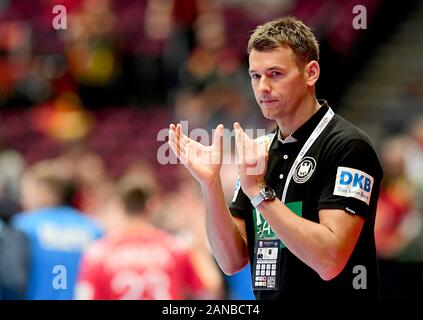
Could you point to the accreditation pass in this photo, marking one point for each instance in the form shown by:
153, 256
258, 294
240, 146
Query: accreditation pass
266, 265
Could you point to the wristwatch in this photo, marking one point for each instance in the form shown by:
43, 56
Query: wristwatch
266, 193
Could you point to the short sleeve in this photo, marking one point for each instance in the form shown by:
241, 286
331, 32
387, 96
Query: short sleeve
240, 203
351, 178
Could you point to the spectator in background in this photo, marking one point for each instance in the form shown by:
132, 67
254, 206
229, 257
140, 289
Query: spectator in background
14, 263
11, 169
14, 247
398, 227
212, 59
139, 261
414, 159
112, 218
92, 51
413, 171
57, 232
91, 182
395, 206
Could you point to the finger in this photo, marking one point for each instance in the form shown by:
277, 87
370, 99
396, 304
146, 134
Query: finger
179, 143
183, 138
180, 137
173, 142
246, 138
171, 129
184, 156
218, 134
261, 145
181, 154
178, 131
237, 126
174, 149
179, 150
217, 151
239, 142
248, 149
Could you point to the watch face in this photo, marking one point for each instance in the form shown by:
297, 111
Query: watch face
268, 193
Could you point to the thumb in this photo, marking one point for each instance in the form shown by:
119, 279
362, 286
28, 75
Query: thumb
239, 132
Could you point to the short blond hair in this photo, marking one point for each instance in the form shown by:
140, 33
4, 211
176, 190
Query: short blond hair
287, 31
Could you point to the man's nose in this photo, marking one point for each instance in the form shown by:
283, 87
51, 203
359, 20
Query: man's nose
264, 85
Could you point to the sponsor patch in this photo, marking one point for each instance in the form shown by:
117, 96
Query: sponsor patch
353, 183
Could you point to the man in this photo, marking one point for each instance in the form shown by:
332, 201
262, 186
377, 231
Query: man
14, 263
323, 170
139, 261
57, 233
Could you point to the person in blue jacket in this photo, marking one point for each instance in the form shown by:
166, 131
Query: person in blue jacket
57, 233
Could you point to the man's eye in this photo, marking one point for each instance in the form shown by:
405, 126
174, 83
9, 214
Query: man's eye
255, 76
275, 73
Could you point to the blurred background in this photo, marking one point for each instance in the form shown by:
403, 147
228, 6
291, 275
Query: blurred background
92, 98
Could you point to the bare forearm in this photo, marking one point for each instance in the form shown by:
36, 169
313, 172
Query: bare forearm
226, 241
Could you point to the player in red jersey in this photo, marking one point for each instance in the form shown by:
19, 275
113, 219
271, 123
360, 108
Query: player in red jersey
138, 262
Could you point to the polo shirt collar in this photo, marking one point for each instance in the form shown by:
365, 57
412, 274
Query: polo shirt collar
288, 139
303, 132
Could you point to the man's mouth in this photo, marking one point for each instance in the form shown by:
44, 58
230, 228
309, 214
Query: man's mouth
267, 101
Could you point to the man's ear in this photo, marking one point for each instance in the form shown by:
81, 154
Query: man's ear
312, 72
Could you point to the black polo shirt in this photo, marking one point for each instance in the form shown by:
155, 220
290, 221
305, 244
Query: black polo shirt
341, 170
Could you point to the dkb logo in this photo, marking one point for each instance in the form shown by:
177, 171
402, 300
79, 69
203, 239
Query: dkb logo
353, 183
357, 180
